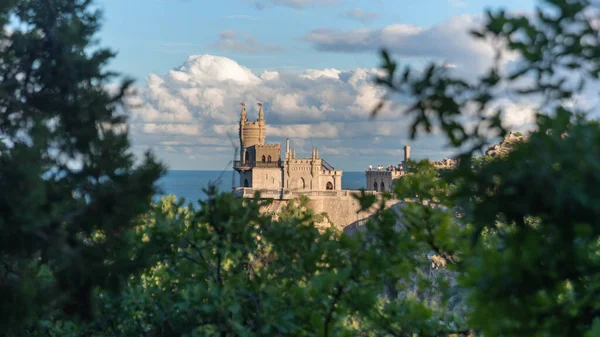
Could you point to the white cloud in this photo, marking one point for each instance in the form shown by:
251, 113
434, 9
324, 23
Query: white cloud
232, 41
448, 41
206, 89
360, 15
196, 106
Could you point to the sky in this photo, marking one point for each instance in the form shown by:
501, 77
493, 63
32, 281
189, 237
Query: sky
310, 62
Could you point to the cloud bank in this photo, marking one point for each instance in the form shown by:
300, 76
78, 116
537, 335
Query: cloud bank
190, 114
449, 42
196, 106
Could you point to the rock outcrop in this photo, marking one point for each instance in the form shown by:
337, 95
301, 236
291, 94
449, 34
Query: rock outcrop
506, 145
445, 163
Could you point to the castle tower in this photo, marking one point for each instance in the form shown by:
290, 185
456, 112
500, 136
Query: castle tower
260, 164
406, 153
252, 133
243, 120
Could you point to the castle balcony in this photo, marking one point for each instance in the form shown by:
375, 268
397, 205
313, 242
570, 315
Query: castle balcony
246, 165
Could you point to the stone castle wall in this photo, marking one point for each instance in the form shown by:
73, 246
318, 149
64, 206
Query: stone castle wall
307, 174
269, 178
340, 206
376, 178
266, 150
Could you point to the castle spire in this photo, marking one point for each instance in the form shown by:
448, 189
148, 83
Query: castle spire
243, 114
287, 148
261, 113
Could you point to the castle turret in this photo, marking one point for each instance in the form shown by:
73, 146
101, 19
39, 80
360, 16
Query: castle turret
252, 133
261, 113
243, 114
406, 155
241, 129
262, 127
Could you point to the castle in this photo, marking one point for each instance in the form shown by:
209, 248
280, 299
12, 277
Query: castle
261, 168
382, 179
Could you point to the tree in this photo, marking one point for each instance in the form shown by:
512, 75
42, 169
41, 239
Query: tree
525, 243
225, 269
70, 191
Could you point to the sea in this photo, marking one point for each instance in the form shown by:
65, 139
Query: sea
190, 184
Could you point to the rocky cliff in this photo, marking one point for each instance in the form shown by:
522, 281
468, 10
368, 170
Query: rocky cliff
506, 145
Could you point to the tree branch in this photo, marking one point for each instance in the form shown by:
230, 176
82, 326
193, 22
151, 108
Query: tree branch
328, 318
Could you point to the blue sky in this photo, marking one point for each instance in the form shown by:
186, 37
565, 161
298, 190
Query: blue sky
283, 44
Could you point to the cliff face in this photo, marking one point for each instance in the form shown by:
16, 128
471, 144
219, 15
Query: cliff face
339, 212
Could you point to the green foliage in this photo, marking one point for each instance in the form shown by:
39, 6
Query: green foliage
226, 269
70, 192
524, 236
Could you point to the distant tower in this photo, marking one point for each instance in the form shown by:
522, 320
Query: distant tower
406, 155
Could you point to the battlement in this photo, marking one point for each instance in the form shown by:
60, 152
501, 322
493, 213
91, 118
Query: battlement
332, 172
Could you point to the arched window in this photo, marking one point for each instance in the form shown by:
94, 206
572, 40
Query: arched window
246, 184
246, 157
302, 183
375, 187
329, 185
264, 159
269, 159
382, 187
